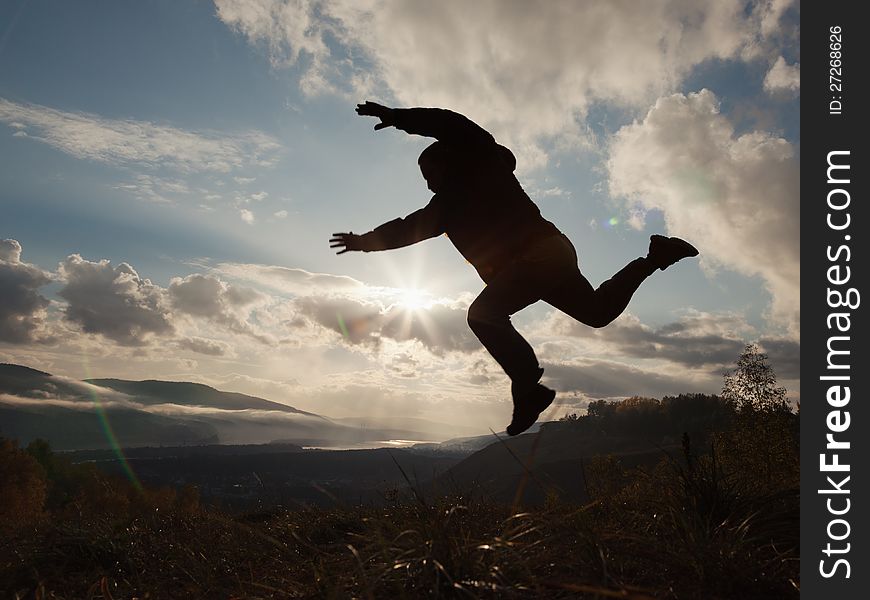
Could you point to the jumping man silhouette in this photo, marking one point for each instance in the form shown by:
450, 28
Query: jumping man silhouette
521, 256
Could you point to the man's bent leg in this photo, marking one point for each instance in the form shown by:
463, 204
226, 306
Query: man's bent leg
597, 308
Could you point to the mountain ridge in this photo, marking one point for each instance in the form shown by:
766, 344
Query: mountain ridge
35, 404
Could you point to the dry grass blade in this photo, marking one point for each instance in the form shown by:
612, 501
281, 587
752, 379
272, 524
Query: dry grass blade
407, 479
624, 594
527, 472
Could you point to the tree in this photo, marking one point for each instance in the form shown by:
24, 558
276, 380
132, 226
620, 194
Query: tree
22, 487
752, 385
761, 446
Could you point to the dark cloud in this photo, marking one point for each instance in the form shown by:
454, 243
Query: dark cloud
203, 346
22, 308
114, 302
784, 355
484, 372
356, 320
605, 379
697, 340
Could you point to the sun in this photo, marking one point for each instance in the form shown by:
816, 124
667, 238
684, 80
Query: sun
413, 300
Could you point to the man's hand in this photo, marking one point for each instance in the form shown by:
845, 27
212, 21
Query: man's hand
346, 241
373, 109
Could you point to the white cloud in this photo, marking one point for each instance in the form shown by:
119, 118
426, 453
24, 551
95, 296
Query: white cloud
526, 70
128, 141
783, 77
81, 405
289, 280
281, 214
151, 188
246, 216
10, 251
737, 198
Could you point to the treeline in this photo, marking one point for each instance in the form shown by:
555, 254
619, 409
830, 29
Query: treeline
37, 485
670, 417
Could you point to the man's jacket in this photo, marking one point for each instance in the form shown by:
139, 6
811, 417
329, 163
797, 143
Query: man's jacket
483, 209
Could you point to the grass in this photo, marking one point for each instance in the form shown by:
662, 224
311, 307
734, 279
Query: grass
692, 526
673, 532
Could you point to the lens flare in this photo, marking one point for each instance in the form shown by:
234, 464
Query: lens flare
341, 325
106, 425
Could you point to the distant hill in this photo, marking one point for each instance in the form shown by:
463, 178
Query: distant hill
18, 380
72, 429
638, 431
554, 457
90, 414
192, 394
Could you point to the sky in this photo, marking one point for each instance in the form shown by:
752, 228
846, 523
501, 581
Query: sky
172, 171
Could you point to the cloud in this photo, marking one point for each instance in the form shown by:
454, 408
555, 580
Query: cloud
10, 251
156, 189
204, 346
208, 297
609, 379
700, 341
367, 400
440, 327
66, 392
22, 307
784, 355
289, 280
527, 70
246, 414
737, 198
361, 314
783, 77
113, 302
81, 405
128, 141
246, 216
695, 340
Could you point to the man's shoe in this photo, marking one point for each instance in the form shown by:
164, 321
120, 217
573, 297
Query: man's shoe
665, 251
528, 409
521, 389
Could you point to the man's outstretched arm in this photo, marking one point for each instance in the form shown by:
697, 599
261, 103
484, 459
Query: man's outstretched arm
439, 123
416, 227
